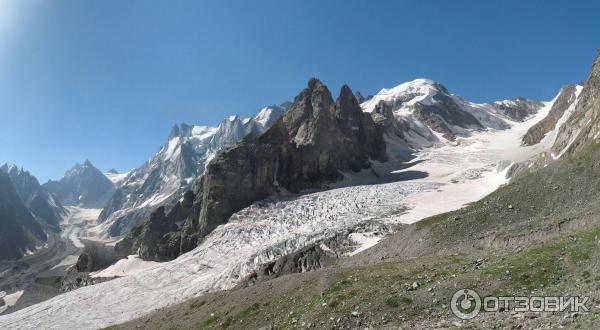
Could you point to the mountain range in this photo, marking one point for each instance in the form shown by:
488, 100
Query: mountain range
163, 179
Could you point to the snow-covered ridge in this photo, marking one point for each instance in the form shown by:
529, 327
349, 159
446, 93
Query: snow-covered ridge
430, 114
116, 178
457, 174
406, 94
164, 178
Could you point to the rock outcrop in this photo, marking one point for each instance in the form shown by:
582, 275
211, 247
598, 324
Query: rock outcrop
583, 126
95, 257
158, 237
518, 109
536, 133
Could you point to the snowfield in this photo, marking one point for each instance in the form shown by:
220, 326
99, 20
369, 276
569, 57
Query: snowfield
449, 176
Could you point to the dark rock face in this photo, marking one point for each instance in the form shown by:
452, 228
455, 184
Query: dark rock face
309, 259
315, 140
94, 258
19, 231
519, 109
584, 124
43, 205
537, 132
443, 112
158, 237
82, 185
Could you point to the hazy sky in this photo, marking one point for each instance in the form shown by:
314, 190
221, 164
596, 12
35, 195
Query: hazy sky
106, 80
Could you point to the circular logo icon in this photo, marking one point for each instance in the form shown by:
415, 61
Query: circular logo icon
465, 304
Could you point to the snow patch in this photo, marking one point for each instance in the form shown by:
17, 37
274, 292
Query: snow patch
124, 267
69, 260
364, 241
9, 299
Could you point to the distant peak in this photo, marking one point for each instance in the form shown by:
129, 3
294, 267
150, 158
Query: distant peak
88, 163
112, 171
347, 98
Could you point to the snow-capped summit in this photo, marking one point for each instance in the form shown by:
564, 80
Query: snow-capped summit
406, 95
428, 113
83, 185
174, 169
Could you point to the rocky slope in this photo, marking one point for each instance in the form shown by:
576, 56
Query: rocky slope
20, 233
583, 126
83, 185
175, 168
566, 99
156, 238
44, 206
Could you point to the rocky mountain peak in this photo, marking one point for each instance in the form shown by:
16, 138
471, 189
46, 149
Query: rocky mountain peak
347, 100
84, 185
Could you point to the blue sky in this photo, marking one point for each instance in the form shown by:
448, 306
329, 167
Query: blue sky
106, 80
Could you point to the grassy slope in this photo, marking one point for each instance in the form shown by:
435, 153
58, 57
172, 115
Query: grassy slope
540, 234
